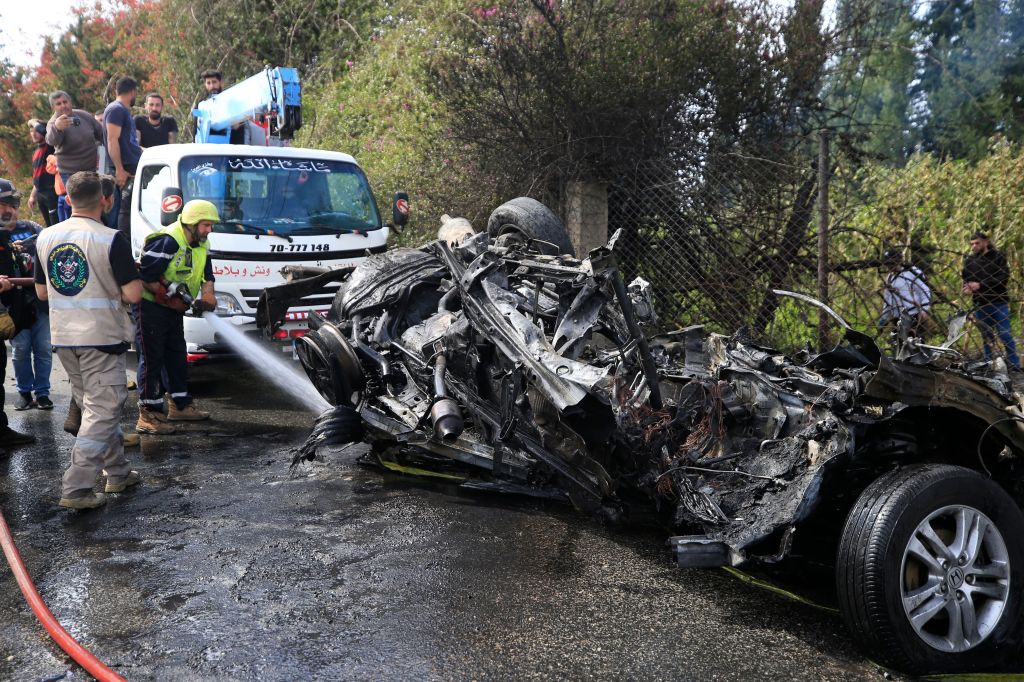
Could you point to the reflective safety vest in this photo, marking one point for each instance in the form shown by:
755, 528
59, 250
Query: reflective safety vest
85, 299
187, 265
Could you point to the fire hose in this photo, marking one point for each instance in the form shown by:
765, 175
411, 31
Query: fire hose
66, 642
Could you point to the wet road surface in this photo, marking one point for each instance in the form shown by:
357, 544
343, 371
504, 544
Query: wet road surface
224, 564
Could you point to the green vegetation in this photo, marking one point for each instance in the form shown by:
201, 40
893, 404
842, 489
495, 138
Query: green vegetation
466, 103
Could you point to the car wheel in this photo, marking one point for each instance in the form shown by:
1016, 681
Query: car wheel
524, 218
929, 570
331, 365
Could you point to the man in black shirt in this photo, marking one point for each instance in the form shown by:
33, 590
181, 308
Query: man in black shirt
43, 196
154, 128
986, 276
13, 305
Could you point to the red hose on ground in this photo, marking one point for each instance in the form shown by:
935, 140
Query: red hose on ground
66, 642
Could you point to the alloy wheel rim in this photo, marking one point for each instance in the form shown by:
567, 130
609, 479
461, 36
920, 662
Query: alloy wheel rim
955, 578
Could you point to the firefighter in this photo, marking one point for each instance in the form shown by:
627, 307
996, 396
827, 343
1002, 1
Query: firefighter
177, 275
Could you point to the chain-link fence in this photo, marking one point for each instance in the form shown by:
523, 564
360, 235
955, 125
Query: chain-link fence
715, 239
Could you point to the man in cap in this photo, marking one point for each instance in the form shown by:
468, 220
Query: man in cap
12, 304
31, 353
986, 278
177, 275
87, 273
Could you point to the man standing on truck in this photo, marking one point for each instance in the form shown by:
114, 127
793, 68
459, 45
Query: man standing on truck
176, 275
213, 83
87, 273
986, 276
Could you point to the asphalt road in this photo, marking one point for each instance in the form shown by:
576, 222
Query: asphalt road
225, 564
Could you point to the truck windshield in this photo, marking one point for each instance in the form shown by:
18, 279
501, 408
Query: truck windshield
282, 195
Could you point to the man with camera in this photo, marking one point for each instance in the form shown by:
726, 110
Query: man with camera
74, 133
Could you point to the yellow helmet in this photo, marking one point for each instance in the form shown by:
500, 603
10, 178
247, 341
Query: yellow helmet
197, 211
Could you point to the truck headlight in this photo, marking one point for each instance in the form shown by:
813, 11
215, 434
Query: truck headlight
227, 305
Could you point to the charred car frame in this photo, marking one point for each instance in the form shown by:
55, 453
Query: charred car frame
505, 361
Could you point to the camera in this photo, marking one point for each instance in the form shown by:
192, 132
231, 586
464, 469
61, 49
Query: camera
75, 120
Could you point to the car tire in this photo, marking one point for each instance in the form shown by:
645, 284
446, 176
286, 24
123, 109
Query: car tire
896, 595
525, 218
337, 426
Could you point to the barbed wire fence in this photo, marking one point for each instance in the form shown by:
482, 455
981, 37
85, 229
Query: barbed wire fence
714, 239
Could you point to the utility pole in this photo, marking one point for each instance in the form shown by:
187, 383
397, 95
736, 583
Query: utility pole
824, 173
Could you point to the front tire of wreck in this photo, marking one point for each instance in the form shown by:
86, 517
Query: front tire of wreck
929, 570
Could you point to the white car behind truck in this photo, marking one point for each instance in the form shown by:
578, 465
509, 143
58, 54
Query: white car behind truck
279, 206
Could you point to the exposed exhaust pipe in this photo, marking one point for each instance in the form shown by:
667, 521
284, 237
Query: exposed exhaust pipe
445, 414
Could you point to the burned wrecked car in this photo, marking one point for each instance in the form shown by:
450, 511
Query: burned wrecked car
506, 361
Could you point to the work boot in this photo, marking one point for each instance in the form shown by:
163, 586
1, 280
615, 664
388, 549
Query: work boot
43, 402
24, 402
131, 440
117, 484
90, 500
74, 419
10, 438
189, 413
149, 423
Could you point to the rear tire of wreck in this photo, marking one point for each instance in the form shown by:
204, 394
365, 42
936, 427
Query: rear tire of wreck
900, 592
525, 218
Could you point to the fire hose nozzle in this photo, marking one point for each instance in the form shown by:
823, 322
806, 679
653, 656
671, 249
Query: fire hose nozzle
180, 289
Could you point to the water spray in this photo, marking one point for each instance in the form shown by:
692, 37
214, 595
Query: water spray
269, 364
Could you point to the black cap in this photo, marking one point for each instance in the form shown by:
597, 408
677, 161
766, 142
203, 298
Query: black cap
8, 194
892, 256
978, 234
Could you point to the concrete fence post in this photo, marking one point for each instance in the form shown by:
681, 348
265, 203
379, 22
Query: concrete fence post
587, 215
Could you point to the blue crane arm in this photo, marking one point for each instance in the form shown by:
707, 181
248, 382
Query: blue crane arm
273, 91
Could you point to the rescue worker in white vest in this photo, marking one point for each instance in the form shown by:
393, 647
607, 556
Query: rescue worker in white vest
86, 271
176, 275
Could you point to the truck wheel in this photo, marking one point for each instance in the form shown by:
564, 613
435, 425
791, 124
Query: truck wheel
525, 218
929, 570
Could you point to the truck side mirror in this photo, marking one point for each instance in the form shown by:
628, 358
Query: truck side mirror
171, 203
400, 210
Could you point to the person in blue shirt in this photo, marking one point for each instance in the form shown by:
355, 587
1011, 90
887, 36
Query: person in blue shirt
123, 150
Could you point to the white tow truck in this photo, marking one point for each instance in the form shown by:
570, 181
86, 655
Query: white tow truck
282, 208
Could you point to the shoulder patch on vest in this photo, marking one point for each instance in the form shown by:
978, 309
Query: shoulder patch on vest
68, 269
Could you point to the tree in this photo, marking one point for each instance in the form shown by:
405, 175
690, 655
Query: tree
970, 47
868, 92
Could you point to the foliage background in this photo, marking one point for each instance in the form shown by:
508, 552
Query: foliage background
715, 104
